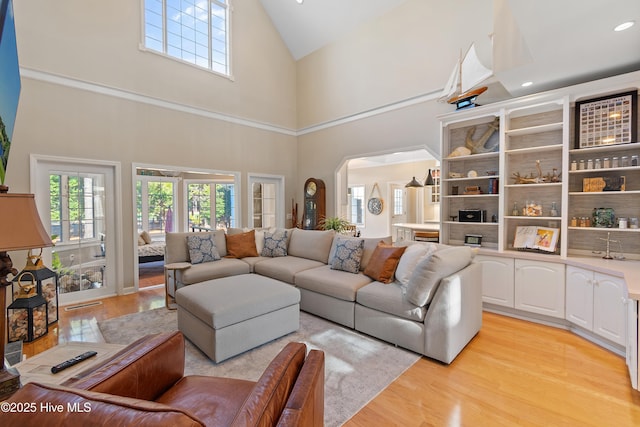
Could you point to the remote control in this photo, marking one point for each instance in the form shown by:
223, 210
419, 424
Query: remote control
69, 363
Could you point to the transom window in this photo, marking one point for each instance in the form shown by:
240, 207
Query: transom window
195, 31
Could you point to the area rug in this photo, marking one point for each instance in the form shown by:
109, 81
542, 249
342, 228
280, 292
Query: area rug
357, 367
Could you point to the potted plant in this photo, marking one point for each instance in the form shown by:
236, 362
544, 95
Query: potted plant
340, 225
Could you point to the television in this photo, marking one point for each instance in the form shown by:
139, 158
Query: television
9, 82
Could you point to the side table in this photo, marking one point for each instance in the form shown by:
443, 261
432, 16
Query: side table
170, 301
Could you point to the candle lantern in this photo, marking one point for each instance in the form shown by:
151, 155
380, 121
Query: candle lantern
27, 315
46, 284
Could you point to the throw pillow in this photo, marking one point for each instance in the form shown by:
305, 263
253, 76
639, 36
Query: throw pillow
410, 258
141, 241
202, 248
383, 262
348, 255
241, 245
431, 269
275, 243
146, 237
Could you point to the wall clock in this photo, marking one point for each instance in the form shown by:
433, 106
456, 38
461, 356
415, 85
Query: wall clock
374, 205
314, 203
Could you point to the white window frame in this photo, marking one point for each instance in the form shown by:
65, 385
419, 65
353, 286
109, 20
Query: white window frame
352, 198
225, 4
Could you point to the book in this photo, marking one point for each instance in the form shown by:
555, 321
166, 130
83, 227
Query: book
537, 238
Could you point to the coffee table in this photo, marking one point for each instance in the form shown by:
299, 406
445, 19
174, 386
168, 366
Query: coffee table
38, 367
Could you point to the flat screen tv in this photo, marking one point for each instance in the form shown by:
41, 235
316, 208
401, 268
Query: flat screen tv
9, 82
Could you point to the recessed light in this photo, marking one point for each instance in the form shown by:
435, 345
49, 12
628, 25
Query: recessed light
299, 1
624, 26
527, 84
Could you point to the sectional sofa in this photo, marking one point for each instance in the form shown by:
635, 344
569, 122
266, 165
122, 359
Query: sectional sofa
424, 297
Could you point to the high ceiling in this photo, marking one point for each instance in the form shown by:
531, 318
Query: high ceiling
565, 41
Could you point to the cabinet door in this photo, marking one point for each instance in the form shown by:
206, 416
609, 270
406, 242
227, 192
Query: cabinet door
609, 312
539, 287
497, 280
632, 341
580, 297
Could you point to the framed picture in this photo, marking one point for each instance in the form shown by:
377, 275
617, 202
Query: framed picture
607, 120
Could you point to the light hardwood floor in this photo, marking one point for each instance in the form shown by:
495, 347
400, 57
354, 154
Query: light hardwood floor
514, 373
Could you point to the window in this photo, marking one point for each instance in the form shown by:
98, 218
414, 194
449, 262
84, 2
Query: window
398, 201
73, 210
357, 205
210, 205
195, 31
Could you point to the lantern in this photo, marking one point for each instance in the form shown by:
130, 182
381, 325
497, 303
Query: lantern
46, 283
27, 315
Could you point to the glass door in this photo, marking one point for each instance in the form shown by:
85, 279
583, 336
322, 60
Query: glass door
266, 201
81, 220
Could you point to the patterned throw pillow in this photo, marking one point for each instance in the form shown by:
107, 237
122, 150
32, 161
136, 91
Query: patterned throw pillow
202, 248
275, 244
348, 255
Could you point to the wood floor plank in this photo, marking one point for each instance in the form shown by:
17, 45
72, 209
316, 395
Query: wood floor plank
513, 373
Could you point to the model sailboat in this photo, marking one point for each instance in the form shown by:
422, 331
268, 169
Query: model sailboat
461, 87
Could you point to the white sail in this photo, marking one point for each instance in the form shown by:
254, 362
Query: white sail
467, 73
473, 72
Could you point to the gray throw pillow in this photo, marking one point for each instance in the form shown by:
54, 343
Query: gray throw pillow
275, 243
431, 269
202, 248
348, 255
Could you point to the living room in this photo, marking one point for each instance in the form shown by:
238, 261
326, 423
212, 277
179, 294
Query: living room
92, 93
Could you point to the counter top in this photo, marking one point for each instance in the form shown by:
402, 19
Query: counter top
629, 270
418, 226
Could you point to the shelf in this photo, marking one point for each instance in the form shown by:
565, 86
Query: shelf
628, 168
534, 129
621, 230
608, 193
472, 157
469, 178
453, 196
542, 184
494, 224
539, 149
607, 148
546, 218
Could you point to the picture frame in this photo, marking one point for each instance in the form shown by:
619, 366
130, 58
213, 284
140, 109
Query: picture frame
607, 120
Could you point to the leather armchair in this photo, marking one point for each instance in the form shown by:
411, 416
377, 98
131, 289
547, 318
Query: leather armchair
144, 385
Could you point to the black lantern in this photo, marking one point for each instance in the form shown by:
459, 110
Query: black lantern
46, 281
27, 315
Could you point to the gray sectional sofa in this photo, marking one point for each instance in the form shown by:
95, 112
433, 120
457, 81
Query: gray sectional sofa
432, 307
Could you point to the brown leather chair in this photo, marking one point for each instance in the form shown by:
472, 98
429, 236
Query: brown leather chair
143, 385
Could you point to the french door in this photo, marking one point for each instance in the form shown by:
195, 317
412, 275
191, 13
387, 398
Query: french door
76, 201
266, 201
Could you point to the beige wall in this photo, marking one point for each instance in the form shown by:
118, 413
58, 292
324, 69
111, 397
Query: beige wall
93, 46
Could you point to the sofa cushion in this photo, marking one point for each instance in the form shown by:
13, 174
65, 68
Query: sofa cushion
370, 244
241, 245
348, 255
202, 248
213, 270
431, 269
410, 258
383, 262
284, 268
176, 249
275, 243
333, 283
146, 237
311, 244
389, 298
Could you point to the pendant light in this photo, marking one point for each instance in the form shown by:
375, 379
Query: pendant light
429, 180
413, 183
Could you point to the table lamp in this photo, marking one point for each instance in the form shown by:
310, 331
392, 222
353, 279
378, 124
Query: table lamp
20, 229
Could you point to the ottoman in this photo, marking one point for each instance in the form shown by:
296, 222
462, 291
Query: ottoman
227, 316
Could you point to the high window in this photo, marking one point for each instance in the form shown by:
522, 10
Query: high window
194, 31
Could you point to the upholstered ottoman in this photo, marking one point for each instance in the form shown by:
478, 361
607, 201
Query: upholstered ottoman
227, 316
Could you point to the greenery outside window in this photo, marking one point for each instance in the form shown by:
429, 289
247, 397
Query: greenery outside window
194, 31
210, 205
73, 214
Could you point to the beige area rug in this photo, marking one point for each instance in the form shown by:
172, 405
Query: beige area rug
357, 367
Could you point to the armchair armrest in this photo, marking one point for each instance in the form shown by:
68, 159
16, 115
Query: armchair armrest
142, 370
305, 407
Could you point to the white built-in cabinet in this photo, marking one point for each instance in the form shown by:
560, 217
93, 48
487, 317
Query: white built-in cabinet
539, 287
497, 280
597, 303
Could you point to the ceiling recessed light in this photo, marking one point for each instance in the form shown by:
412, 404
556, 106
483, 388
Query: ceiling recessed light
624, 26
527, 84
299, 1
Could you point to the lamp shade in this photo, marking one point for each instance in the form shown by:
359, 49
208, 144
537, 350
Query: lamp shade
20, 225
413, 183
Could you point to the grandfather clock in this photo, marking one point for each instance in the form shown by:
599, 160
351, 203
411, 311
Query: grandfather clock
314, 203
